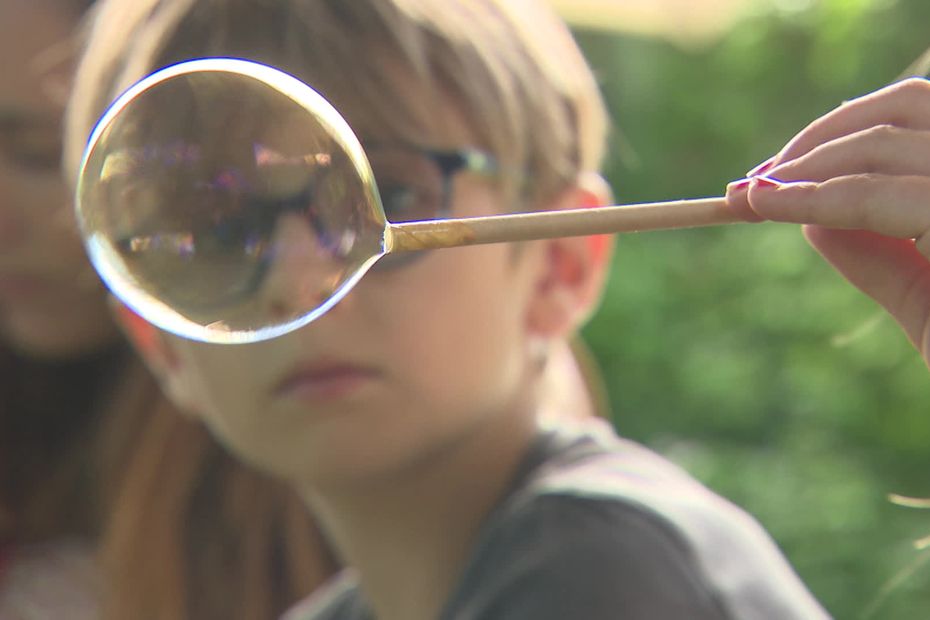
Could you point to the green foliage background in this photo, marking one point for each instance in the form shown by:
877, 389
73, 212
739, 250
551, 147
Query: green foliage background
735, 350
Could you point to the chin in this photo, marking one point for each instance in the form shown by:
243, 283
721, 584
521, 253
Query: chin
326, 465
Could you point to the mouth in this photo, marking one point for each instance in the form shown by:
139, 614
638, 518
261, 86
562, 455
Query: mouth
325, 381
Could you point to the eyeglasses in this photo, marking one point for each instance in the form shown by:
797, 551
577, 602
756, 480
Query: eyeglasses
415, 183
216, 237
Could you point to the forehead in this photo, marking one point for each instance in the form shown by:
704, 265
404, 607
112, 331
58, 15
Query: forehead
29, 29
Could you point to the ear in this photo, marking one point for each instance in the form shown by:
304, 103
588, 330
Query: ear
573, 268
155, 348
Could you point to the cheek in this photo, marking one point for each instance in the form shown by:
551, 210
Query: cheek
218, 385
229, 389
460, 331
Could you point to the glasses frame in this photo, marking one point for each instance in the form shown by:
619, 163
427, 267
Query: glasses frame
450, 162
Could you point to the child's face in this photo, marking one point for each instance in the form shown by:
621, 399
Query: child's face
412, 360
409, 360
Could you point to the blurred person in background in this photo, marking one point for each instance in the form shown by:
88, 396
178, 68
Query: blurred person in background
91, 456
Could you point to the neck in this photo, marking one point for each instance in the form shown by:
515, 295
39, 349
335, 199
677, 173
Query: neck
409, 537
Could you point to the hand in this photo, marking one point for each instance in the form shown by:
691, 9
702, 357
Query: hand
858, 178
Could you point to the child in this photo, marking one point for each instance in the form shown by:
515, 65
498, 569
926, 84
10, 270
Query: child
407, 416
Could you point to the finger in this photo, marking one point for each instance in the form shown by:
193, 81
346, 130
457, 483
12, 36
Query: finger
884, 149
890, 271
905, 104
896, 206
738, 201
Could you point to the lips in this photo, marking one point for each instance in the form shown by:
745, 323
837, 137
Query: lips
326, 381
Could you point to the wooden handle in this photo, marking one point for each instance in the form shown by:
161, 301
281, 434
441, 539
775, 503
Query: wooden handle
435, 234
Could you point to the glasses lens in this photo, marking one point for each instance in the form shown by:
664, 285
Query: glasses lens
205, 237
411, 184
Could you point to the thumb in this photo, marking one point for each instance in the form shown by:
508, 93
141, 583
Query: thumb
890, 271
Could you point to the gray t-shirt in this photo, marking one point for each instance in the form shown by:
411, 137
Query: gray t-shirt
596, 527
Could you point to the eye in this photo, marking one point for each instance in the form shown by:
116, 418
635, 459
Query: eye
406, 202
35, 149
411, 185
211, 255
401, 203
225, 236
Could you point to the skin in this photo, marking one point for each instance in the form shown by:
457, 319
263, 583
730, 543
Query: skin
51, 304
858, 179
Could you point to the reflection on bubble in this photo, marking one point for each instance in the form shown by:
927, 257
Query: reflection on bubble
225, 210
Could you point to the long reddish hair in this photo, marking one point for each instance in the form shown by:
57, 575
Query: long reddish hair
50, 413
90, 448
194, 534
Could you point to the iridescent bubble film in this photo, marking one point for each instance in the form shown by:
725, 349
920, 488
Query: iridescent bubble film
227, 202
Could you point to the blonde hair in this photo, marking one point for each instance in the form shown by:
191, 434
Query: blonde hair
509, 67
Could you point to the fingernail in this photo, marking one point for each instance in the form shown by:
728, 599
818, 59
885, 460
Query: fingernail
738, 202
739, 185
763, 167
766, 182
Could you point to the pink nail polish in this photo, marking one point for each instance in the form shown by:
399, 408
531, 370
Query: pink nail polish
763, 167
739, 185
766, 182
